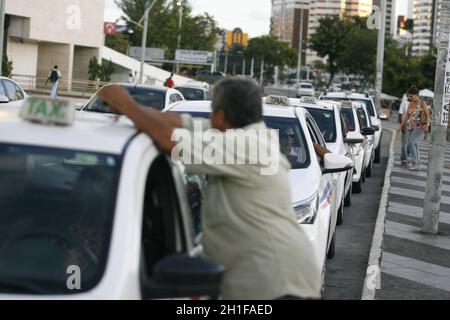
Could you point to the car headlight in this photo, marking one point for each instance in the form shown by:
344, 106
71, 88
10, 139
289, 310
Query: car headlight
306, 212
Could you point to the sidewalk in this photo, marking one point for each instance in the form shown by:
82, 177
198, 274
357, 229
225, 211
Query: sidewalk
415, 266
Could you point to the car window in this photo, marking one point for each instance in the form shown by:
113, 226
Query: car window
292, 140
192, 93
343, 125
145, 96
326, 121
2, 91
175, 98
13, 92
57, 211
368, 103
306, 86
363, 118
349, 119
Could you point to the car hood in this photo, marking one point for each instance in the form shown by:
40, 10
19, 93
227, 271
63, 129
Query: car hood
303, 184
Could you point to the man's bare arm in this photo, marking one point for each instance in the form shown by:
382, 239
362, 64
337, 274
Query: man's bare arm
157, 125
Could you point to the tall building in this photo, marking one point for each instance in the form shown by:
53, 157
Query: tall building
426, 25
351, 8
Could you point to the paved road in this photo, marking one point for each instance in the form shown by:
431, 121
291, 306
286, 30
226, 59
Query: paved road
346, 272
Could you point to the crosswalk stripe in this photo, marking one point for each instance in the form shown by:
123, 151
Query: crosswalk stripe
415, 270
418, 174
417, 183
415, 194
415, 212
412, 233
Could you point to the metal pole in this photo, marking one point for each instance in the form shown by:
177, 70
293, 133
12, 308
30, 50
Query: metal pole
2, 29
180, 24
226, 63
261, 76
300, 47
380, 55
433, 192
243, 67
144, 44
252, 68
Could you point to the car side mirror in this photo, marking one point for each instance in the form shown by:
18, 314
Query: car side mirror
4, 99
368, 131
79, 106
182, 276
354, 138
376, 128
335, 163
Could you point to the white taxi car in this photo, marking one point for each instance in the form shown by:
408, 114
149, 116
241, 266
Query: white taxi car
11, 93
313, 187
364, 121
372, 110
92, 210
356, 132
329, 119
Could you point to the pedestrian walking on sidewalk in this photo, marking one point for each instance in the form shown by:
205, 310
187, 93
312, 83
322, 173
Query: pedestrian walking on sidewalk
169, 82
402, 113
416, 121
53, 77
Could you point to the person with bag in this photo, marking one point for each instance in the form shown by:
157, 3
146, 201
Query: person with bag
53, 78
416, 121
169, 82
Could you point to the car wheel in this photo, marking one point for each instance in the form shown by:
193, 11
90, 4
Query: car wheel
357, 186
340, 214
324, 272
369, 169
378, 153
332, 250
348, 197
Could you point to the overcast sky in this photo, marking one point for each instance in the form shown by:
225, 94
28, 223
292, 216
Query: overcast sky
252, 16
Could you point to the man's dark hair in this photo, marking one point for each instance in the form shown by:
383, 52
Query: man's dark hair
240, 100
55, 67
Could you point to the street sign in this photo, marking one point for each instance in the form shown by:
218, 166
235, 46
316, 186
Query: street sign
194, 56
109, 28
150, 53
446, 97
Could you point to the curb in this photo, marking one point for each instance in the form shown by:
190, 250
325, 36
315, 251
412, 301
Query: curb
372, 281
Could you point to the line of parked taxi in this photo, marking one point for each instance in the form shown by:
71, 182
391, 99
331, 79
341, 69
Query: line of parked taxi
94, 192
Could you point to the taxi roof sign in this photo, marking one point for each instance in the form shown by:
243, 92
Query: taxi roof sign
308, 99
348, 104
277, 100
47, 111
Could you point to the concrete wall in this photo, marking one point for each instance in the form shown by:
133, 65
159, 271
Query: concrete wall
55, 54
24, 57
78, 22
81, 58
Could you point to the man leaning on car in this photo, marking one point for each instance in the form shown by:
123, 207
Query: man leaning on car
248, 222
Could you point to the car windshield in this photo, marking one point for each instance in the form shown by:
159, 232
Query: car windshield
347, 114
306, 86
192, 93
326, 121
145, 96
368, 103
56, 218
292, 139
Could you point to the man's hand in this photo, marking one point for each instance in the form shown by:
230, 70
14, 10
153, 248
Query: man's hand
117, 98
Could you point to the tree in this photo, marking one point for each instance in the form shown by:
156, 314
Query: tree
328, 42
359, 54
7, 67
118, 42
273, 52
100, 72
197, 33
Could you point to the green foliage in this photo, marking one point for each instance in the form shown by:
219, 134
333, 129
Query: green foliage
402, 70
118, 42
329, 41
100, 72
7, 67
197, 32
274, 52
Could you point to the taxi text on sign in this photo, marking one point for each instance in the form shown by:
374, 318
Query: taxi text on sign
47, 111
